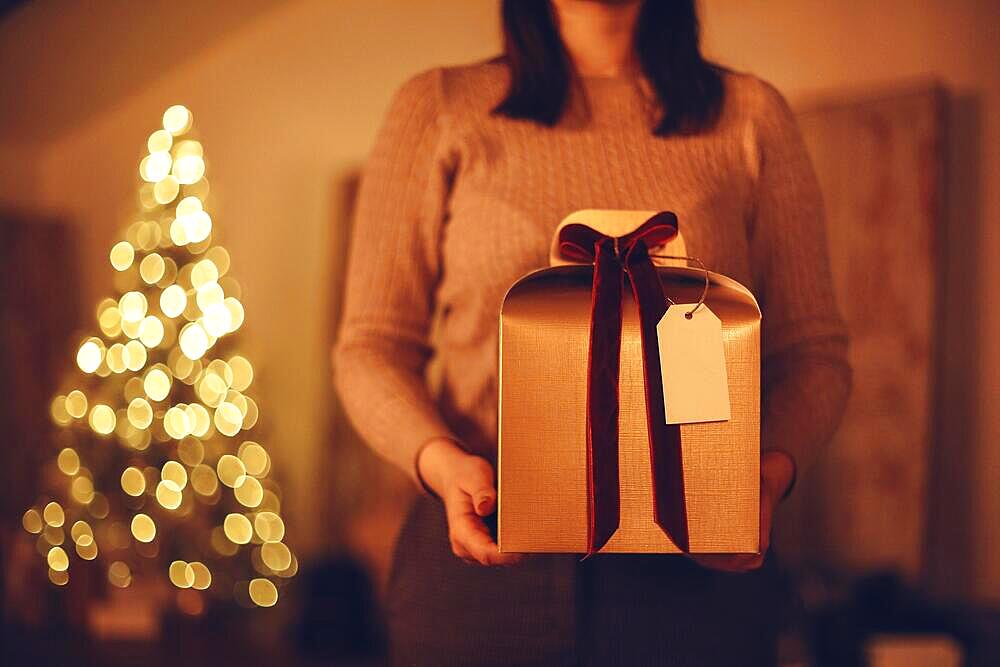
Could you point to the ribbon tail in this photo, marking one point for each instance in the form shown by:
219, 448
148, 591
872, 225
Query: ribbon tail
602, 396
669, 508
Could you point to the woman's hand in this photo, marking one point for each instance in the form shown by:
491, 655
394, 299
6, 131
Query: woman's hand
465, 484
777, 470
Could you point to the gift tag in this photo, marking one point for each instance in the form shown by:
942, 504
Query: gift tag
693, 365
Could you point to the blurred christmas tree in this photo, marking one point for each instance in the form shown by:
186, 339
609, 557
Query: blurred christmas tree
157, 474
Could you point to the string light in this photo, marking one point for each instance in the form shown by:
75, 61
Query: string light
160, 401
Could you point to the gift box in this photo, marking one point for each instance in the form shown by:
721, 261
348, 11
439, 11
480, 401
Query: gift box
587, 460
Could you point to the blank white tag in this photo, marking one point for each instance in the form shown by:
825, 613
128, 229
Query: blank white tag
693, 365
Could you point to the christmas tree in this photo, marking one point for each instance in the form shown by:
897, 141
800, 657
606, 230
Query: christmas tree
158, 471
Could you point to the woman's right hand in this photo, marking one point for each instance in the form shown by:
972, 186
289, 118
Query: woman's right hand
465, 484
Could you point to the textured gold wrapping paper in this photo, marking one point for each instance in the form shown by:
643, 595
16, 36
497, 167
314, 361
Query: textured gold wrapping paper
544, 344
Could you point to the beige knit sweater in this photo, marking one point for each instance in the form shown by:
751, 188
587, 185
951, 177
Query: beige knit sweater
456, 204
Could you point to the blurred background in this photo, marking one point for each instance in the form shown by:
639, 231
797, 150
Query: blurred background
892, 541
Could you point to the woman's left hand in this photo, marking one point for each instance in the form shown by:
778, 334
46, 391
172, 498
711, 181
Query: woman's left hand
777, 470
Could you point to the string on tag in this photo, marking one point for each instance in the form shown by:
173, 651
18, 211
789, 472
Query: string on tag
704, 292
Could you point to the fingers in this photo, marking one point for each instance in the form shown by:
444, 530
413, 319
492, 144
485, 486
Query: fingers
470, 539
472, 497
477, 482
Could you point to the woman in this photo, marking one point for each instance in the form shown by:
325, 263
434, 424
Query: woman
594, 105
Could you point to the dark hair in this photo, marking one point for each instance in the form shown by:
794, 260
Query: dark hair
688, 87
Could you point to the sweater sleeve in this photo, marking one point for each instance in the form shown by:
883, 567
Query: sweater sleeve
383, 347
806, 375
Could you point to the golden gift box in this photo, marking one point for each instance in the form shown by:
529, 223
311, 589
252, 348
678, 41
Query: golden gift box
554, 497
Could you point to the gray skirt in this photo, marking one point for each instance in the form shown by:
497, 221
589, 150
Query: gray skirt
558, 610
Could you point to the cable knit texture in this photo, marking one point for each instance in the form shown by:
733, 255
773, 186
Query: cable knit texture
457, 203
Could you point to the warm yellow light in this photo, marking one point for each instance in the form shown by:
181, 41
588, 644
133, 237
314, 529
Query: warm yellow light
53, 535
82, 490
140, 413
81, 530
185, 369
143, 528
218, 320
116, 358
178, 232
263, 593
237, 528
199, 418
254, 458
228, 419
212, 389
199, 304
68, 461
202, 576
187, 206
231, 470
208, 295
190, 451
90, 355
155, 166
222, 369
173, 300
189, 169
57, 559
239, 400
161, 140
148, 234
269, 526
131, 329
151, 331
32, 521
87, 548
135, 354
156, 384
110, 321
133, 306
177, 120
119, 574
133, 482
102, 419
220, 257
189, 147
76, 404
133, 388
176, 422
249, 493
151, 268
203, 480
181, 574
203, 273
193, 341
122, 255
174, 472
242, 373
235, 311
166, 190
58, 410
168, 494
276, 556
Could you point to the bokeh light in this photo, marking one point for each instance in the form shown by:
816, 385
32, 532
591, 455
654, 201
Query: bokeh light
169, 401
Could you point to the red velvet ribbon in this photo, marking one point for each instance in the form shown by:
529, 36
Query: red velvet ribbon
613, 260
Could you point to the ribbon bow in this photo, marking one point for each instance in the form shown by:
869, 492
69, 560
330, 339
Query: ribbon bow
614, 258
